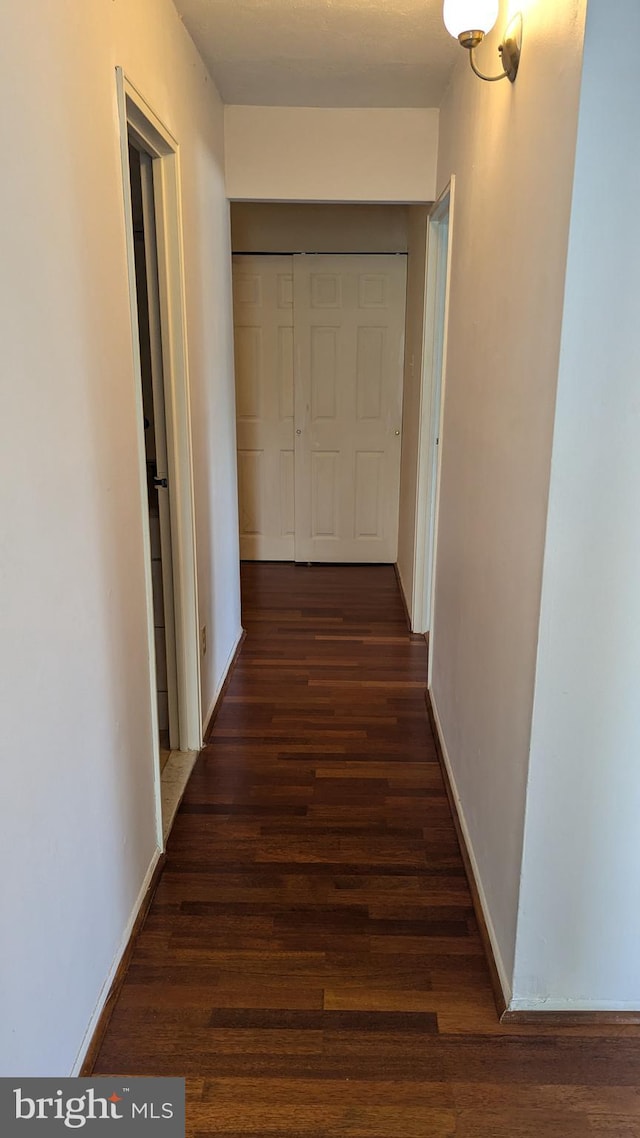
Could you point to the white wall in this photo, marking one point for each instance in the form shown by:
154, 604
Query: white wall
414, 333
331, 154
512, 150
77, 829
579, 925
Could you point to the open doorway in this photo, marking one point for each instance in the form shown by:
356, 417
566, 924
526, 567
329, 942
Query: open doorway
155, 441
319, 315
154, 251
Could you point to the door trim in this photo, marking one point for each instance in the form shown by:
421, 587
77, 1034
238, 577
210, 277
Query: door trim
431, 412
139, 122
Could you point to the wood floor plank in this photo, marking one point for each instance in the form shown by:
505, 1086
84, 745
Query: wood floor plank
311, 962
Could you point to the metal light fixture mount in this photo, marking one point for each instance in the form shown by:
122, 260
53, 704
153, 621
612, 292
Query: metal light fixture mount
469, 21
509, 50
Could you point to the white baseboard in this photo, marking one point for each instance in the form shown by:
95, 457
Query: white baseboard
551, 1004
106, 987
497, 956
225, 673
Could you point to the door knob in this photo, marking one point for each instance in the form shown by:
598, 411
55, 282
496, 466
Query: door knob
298, 432
397, 432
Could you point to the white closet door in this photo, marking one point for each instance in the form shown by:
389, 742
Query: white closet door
263, 318
349, 346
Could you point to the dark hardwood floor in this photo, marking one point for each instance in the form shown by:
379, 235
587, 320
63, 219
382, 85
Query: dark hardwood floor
311, 962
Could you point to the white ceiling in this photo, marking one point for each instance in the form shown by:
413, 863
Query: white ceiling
324, 53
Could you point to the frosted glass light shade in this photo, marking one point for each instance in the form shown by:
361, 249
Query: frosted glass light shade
470, 15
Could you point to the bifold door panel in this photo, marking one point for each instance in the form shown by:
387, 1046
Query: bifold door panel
319, 364
349, 338
263, 316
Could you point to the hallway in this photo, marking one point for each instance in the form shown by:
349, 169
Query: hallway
311, 962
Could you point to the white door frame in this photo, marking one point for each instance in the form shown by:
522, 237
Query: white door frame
438, 276
140, 123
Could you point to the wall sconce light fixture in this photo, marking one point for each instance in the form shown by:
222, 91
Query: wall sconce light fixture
469, 21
